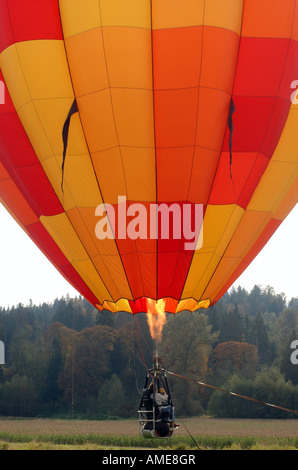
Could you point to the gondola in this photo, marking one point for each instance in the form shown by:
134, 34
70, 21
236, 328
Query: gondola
156, 421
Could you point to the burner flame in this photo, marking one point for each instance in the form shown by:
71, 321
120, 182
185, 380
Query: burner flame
156, 318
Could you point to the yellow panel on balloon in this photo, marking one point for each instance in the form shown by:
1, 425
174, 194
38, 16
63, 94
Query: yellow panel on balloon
108, 165
62, 232
198, 267
87, 62
287, 148
111, 270
14, 77
128, 54
219, 225
104, 253
81, 15
177, 14
249, 229
188, 304
288, 203
273, 187
203, 304
45, 119
219, 278
199, 291
96, 112
78, 16
133, 111
52, 168
90, 276
35, 131
45, 69
84, 222
139, 168
79, 181
225, 14
134, 13
232, 223
123, 305
87, 216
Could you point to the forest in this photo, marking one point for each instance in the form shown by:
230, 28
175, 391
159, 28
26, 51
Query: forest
67, 359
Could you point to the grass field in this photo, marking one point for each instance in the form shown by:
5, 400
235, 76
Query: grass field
208, 433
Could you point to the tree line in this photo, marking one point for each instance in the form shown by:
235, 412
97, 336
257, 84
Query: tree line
66, 358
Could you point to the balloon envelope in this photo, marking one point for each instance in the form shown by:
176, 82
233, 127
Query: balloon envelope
120, 117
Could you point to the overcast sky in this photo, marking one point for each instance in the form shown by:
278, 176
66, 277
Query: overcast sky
26, 274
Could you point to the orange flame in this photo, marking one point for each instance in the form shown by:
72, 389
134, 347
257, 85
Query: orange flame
156, 317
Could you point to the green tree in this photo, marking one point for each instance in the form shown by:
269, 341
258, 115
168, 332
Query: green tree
289, 318
255, 299
233, 357
271, 387
18, 397
73, 313
265, 350
233, 325
268, 387
226, 405
87, 363
187, 345
52, 393
112, 399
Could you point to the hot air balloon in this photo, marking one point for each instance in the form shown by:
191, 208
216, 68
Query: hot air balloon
149, 147
126, 104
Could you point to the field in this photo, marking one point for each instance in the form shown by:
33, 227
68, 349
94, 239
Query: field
193, 433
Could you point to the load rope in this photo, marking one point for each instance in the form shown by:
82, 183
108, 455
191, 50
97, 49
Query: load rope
232, 393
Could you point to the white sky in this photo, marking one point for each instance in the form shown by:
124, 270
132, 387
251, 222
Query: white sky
25, 273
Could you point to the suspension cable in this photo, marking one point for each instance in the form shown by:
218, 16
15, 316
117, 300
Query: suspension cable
190, 434
141, 350
134, 357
